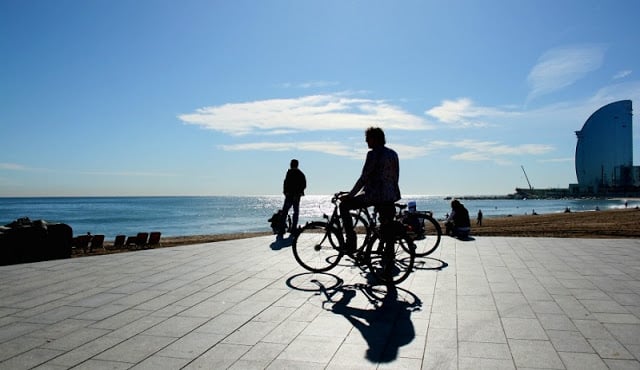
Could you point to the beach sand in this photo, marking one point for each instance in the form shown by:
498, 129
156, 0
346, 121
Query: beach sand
620, 223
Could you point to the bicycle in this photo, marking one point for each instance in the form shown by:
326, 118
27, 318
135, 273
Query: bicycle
319, 246
423, 228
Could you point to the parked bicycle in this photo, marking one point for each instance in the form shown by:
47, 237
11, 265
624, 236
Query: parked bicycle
420, 226
319, 246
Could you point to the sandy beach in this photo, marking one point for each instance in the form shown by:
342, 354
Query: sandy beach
622, 223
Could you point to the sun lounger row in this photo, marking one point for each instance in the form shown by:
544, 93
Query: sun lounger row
141, 240
90, 242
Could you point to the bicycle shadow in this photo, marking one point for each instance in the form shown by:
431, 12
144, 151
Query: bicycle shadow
430, 263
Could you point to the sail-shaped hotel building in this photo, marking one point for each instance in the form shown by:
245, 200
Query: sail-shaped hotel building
604, 152
604, 157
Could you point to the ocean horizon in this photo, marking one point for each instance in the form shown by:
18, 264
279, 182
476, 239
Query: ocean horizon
206, 215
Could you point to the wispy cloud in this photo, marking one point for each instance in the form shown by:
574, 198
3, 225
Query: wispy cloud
557, 160
309, 84
562, 67
12, 167
622, 74
326, 147
465, 113
619, 91
474, 150
129, 173
308, 113
19, 167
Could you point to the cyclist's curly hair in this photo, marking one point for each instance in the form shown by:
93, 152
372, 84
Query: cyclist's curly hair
376, 134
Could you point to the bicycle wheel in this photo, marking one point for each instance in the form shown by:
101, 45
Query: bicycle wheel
391, 263
313, 249
427, 241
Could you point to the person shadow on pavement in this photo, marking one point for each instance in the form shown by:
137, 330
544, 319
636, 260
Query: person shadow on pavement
281, 242
386, 327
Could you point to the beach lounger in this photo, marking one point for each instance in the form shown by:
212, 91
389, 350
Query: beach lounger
82, 241
138, 241
154, 239
119, 241
97, 242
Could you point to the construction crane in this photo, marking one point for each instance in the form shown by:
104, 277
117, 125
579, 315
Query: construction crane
526, 177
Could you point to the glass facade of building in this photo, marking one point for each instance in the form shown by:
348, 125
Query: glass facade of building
604, 152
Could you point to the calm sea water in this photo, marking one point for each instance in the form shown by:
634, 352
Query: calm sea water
177, 216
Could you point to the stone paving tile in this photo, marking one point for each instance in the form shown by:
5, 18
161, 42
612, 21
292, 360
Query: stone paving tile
19, 345
569, 341
499, 351
190, 346
315, 349
135, 349
625, 333
535, 354
219, 357
517, 328
610, 349
30, 359
582, 361
491, 303
156, 362
485, 363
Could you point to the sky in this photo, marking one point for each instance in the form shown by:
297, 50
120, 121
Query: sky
195, 97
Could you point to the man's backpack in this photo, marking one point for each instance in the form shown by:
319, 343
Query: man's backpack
279, 222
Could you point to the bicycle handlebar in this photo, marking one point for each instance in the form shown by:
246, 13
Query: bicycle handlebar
338, 195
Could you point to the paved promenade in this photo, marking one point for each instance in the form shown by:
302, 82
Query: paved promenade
489, 303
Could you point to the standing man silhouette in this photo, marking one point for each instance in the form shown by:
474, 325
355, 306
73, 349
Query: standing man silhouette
293, 188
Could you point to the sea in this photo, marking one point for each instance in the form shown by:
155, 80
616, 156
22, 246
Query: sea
206, 215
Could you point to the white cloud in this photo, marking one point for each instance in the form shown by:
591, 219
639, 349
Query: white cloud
327, 147
309, 84
622, 74
620, 91
464, 113
308, 113
562, 67
557, 160
129, 174
12, 167
473, 150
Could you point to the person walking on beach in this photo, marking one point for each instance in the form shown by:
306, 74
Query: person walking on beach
293, 188
377, 185
479, 220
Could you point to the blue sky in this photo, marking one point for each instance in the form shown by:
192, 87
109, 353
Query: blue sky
215, 97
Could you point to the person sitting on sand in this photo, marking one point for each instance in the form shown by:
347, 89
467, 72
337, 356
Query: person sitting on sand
458, 223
